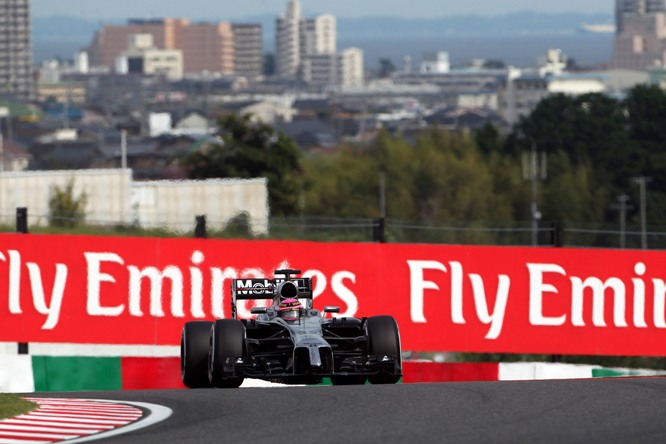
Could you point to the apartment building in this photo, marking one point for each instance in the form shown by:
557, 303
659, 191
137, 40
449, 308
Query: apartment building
16, 80
318, 35
142, 57
306, 49
248, 49
640, 42
205, 46
350, 67
287, 41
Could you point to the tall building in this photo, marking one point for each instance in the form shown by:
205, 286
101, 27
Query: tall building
248, 49
287, 41
205, 46
318, 35
640, 40
16, 80
306, 49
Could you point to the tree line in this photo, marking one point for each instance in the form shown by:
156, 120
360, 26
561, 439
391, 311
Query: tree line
594, 148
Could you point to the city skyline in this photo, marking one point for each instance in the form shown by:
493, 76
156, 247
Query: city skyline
207, 9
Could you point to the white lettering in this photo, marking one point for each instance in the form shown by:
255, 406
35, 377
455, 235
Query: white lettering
418, 285
344, 293
496, 319
598, 288
95, 278
537, 290
243, 307
217, 293
53, 309
319, 281
196, 286
659, 303
14, 282
639, 297
156, 279
457, 293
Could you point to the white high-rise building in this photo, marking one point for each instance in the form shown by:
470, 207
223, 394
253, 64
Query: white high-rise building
306, 49
350, 66
287, 41
318, 35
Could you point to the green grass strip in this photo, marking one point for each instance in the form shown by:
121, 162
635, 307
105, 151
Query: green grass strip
12, 405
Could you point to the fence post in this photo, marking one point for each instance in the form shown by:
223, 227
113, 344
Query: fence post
22, 227
556, 234
21, 220
378, 228
200, 227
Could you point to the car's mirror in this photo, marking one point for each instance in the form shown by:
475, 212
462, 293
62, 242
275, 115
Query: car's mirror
259, 310
331, 309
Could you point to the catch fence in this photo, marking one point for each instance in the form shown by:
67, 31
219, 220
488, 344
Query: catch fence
339, 229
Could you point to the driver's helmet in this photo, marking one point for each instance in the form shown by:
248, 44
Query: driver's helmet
289, 309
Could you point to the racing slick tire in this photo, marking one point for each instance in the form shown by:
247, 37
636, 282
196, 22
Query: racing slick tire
194, 345
227, 340
384, 339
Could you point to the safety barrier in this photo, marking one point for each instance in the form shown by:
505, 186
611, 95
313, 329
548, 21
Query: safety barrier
26, 374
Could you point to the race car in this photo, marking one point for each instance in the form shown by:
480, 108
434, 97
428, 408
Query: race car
301, 349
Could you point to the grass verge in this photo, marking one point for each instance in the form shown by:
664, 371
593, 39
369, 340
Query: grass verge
13, 405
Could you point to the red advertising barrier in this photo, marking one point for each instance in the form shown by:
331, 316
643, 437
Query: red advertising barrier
112, 290
151, 373
416, 371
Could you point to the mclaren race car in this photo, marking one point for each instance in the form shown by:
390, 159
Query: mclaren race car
302, 348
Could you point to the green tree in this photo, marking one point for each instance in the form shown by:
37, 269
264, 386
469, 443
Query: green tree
386, 68
65, 209
646, 110
269, 64
249, 150
488, 139
441, 179
591, 156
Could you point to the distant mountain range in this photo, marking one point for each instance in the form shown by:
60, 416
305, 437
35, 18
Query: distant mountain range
61, 36
66, 28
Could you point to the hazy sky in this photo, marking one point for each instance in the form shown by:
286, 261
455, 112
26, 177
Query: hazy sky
228, 9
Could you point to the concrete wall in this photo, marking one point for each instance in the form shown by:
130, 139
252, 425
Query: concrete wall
219, 199
108, 194
114, 198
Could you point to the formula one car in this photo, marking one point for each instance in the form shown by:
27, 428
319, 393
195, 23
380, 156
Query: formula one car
302, 349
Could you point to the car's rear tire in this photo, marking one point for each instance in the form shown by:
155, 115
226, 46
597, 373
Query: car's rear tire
227, 344
384, 340
194, 345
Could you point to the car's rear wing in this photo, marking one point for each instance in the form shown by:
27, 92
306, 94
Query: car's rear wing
265, 288
262, 288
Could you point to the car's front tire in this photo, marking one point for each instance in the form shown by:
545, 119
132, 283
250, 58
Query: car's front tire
227, 344
384, 340
194, 345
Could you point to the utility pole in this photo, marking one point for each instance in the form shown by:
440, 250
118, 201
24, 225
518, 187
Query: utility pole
382, 195
622, 207
535, 168
642, 183
4, 112
123, 149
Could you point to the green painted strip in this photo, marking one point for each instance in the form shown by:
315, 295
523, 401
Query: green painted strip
64, 373
606, 373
